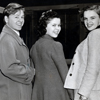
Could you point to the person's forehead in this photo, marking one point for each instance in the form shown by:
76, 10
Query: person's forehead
89, 13
19, 12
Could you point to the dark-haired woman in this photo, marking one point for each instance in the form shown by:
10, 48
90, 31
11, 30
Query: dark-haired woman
16, 74
49, 60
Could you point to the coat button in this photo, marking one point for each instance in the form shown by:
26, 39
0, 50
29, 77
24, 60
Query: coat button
70, 74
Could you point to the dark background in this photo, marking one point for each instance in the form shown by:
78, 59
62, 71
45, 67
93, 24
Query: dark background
46, 2
72, 32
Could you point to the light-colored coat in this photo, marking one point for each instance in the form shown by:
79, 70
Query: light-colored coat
84, 73
15, 71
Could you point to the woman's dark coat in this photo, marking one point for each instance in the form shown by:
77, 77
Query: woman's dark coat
51, 70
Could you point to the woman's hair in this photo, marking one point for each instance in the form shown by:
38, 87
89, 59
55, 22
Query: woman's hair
12, 8
96, 8
44, 20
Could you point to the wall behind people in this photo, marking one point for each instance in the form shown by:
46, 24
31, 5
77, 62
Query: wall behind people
1, 22
70, 35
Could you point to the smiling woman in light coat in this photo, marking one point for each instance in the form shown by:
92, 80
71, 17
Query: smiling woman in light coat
84, 73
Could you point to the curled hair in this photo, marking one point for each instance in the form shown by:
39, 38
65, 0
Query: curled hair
44, 20
96, 8
12, 8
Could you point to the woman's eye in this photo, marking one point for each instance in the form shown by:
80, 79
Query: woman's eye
16, 17
54, 25
59, 25
84, 18
92, 17
22, 17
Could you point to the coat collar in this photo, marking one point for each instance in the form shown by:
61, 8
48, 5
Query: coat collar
8, 30
47, 37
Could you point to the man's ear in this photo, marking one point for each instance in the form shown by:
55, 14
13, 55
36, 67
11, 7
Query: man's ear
6, 19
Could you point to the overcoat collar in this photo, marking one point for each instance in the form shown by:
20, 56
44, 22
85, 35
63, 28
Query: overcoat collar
47, 37
9, 31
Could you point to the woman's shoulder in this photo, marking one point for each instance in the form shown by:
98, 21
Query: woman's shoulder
94, 35
48, 41
95, 32
57, 43
48, 44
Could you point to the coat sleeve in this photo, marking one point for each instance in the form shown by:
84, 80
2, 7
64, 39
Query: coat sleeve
93, 64
11, 67
59, 60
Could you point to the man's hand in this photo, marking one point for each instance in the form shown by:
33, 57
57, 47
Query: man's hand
83, 97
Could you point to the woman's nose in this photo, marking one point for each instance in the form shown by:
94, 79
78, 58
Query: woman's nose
88, 20
57, 27
21, 19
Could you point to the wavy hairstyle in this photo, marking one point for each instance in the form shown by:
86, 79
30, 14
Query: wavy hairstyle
96, 8
44, 20
12, 8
